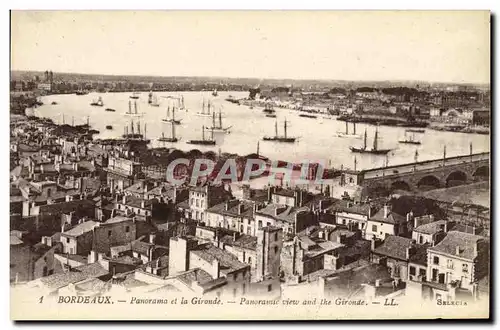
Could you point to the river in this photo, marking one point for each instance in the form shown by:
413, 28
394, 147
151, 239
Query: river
317, 140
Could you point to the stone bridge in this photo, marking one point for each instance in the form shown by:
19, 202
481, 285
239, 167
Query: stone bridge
425, 175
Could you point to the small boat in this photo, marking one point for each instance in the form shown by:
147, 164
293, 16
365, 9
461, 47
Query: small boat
214, 93
375, 150
81, 92
410, 140
277, 138
203, 141
109, 127
251, 107
98, 103
219, 128
413, 130
153, 100
54, 103
268, 108
135, 95
203, 113
307, 115
271, 115
171, 139
110, 110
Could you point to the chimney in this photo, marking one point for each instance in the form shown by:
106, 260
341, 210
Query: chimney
386, 211
226, 206
476, 248
457, 250
124, 199
75, 166
270, 191
408, 253
241, 208
152, 238
142, 204
235, 236
377, 283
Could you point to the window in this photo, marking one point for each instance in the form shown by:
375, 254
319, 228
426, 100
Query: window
276, 236
109, 233
202, 203
343, 221
422, 272
269, 288
249, 231
191, 202
67, 239
45, 272
127, 229
420, 239
449, 264
197, 203
465, 268
412, 270
374, 228
241, 229
275, 249
435, 260
260, 224
250, 260
268, 224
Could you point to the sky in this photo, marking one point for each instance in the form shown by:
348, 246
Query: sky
439, 46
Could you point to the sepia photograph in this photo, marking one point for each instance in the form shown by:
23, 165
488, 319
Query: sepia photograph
249, 165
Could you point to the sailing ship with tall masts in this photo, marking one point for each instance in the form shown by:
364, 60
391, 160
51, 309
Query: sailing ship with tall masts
374, 150
134, 113
203, 140
172, 138
218, 127
172, 119
277, 138
346, 133
134, 134
203, 113
153, 100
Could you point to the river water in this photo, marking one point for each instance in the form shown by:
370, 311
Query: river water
317, 140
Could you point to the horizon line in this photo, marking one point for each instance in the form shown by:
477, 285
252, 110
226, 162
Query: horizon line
260, 78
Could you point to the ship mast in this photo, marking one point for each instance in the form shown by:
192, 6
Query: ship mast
375, 139
354, 126
132, 126
346, 128
173, 130
212, 138
220, 119
364, 145
203, 107
203, 133
129, 107
208, 106
276, 128
285, 127
213, 119
135, 107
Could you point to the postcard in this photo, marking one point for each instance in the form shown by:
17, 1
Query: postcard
250, 165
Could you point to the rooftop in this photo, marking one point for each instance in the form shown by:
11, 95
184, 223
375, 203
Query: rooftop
431, 227
456, 239
281, 212
394, 247
392, 217
79, 274
227, 261
81, 228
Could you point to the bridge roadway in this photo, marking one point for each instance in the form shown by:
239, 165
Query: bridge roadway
428, 165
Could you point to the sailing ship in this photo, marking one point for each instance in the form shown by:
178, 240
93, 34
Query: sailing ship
203, 141
268, 108
271, 115
203, 113
346, 133
172, 119
219, 127
214, 93
109, 127
135, 95
54, 103
110, 110
98, 103
375, 150
410, 140
164, 138
153, 101
135, 113
278, 138
134, 134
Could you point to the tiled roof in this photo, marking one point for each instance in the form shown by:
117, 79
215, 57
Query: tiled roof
195, 275
227, 261
286, 213
79, 274
66, 207
419, 256
455, 239
244, 241
141, 247
394, 247
233, 208
392, 218
81, 229
431, 227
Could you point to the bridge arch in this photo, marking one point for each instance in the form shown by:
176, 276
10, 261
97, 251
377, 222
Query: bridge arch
400, 185
481, 173
456, 178
429, 182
